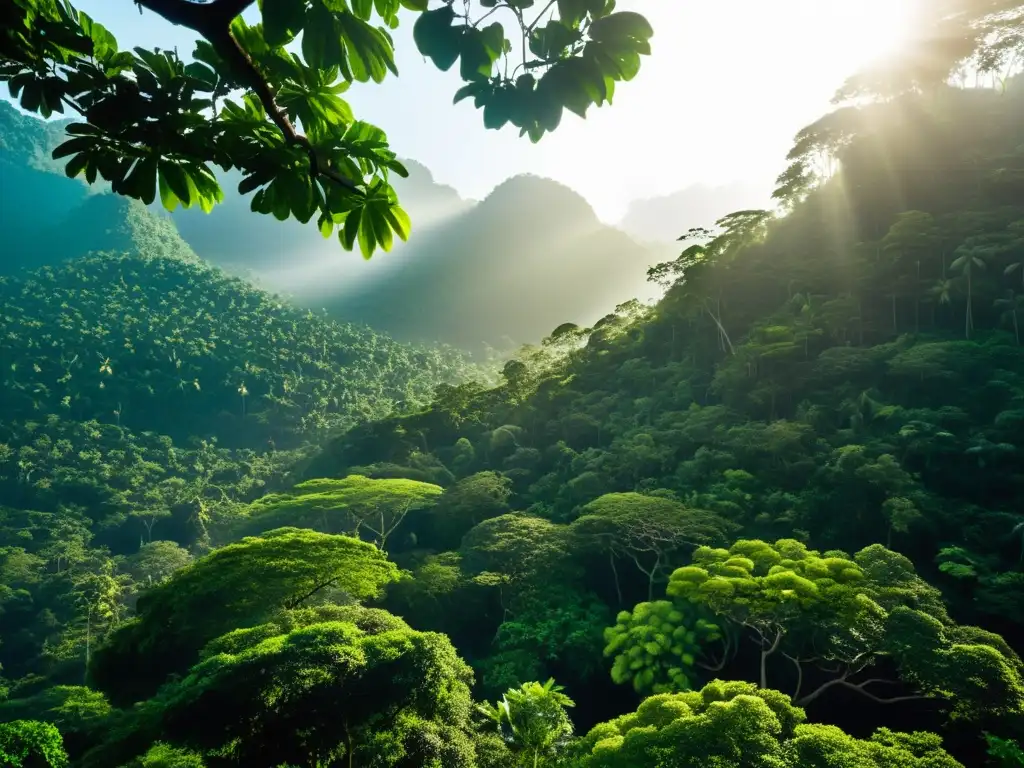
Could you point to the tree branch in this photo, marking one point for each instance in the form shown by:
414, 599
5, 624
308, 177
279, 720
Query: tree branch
295, 602
799, 675
213, 20
719, 665
820, 690
199, 16
859, 687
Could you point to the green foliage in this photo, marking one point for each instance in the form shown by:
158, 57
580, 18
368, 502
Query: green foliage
1004, 753
325, 691
533, 721
357, 505
649, 530
829, 609
166, 756
735, 724
248, 581
469, 501
844, 376
168, 346
157, 561
52, 56
31, 744
558, 624
71, 708
657, 645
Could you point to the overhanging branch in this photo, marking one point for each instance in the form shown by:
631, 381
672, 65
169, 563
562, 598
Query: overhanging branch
213, 20
203, 17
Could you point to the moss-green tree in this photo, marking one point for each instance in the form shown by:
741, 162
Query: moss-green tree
652, 532
247, 581
325, 693
657, 646
734, 725
31, 744
827, 609
356, 505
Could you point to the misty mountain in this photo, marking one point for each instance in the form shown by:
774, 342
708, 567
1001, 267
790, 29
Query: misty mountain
531, 256
665, 218
505, 271
282, 253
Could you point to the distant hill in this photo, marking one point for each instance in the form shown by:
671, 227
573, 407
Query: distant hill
665, 218
181, 349
28, 141
530, 257
508, 270
281, 252
47, 218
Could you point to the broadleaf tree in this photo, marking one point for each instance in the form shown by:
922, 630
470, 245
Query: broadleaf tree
265, 98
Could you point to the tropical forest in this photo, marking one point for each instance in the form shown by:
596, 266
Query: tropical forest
311, 459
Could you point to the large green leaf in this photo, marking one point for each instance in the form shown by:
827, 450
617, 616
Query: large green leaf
370, 52
436, 38
322, 47
282, 20
625, 26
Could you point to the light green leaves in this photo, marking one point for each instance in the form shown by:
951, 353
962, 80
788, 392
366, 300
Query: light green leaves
188, 184
370, 54
154, 125
657, 645
346, 41
28, 744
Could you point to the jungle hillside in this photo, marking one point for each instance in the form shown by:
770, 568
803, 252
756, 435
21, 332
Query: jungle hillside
767, 513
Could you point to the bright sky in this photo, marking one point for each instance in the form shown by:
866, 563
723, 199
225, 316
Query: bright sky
728, 85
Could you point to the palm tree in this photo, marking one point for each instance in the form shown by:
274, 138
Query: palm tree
532, 720
1016, 267
967, 262
1012, 305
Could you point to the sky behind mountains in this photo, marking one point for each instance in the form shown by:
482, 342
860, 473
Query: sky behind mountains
727, 87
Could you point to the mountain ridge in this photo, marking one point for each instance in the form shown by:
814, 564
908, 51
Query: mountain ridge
498, 272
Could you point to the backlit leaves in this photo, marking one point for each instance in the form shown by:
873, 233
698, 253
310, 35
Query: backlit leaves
573, 62
153, 125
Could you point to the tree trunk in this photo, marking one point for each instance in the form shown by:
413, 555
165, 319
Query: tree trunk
764, 657
969, 321
615, 576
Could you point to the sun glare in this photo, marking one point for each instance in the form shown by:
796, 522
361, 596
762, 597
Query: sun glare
866, 31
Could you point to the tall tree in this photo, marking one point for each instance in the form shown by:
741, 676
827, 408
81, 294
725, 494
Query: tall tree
356, 505
649, 531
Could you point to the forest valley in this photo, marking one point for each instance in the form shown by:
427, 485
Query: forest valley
772, 521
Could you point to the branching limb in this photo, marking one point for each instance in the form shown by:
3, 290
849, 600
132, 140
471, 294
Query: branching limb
212, 20
766, 653
799, 675
860, 688
727, 654
297, 601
